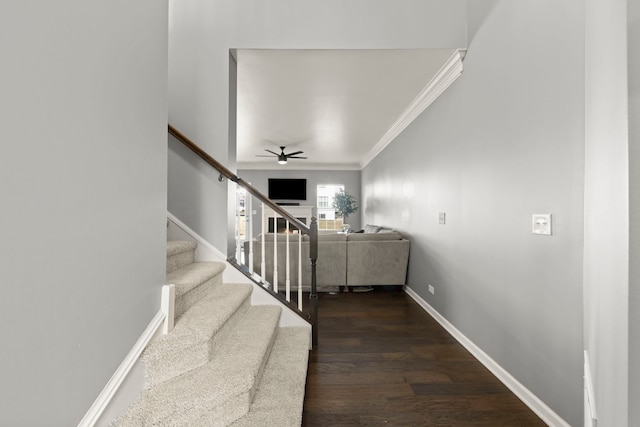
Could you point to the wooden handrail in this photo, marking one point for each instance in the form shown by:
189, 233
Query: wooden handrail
233, 177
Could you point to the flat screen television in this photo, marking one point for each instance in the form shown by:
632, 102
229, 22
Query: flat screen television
287, 189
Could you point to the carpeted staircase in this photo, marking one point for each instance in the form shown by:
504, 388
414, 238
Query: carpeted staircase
226, 363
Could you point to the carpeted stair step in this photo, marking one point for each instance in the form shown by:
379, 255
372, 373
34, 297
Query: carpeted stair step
194, 282
197, 333
219, 392
179, 254
280, 395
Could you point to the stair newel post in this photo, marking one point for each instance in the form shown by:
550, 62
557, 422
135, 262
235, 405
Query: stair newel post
313, 297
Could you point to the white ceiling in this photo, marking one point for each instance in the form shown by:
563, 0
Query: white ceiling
335, 105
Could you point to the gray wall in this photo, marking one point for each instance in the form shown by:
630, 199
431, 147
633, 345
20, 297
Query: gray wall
201, 34
606, 231
504, 142
83, 185
634, 196
350, 179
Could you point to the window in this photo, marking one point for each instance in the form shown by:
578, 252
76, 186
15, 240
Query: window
327, 219
241, 213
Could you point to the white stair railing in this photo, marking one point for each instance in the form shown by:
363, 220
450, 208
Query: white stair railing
283, 277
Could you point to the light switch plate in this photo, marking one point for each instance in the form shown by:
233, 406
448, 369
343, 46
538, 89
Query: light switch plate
541, 224
442, 218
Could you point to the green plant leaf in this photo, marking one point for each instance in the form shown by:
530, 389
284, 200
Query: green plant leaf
344, 204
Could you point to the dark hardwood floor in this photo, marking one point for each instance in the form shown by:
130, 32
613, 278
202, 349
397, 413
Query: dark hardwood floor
382, 360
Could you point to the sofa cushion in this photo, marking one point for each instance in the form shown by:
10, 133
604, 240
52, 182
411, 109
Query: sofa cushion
381, 261
385, 230
334, 237
375, 237
371, 228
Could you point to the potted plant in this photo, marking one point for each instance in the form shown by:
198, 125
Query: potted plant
344, 204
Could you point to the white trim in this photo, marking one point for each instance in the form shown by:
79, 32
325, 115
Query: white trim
95, 411
449, 72
202, 243
590, 414
205, 251
531, 400
168, 305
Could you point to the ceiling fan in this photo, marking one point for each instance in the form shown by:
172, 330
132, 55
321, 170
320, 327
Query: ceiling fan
283, 157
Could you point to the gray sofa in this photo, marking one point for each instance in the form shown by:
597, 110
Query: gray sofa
355, 259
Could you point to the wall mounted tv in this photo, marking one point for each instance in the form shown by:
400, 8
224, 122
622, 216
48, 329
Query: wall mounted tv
287, 189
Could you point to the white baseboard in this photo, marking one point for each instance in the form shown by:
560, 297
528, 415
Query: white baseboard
101, 403
590, 414
181, 231
531, 400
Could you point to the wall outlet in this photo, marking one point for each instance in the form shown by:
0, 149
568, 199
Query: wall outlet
432, 290
541, 224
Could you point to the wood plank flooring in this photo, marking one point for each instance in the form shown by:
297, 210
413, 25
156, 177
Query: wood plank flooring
383, 361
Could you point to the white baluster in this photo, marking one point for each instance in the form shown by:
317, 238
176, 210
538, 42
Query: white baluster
275, 252
237, 231
263, 264
299, 271
287, 278
249, 209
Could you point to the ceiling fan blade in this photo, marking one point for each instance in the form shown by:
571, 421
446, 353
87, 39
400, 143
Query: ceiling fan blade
282, 157
294, 153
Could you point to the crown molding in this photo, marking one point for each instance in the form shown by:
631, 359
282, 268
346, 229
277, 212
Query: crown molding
449, 72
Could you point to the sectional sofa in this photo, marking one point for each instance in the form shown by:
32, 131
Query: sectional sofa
374, 258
